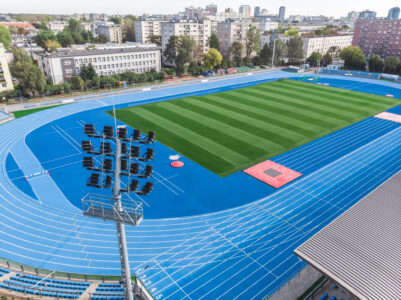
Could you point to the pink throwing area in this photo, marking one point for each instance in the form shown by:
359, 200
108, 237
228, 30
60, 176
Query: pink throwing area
389, 116
272, 173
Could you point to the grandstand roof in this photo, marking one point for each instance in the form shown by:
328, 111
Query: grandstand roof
361, 248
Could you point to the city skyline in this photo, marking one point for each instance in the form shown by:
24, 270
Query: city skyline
336, 9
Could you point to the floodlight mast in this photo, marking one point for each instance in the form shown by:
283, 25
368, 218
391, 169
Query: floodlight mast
121, 211
122, 241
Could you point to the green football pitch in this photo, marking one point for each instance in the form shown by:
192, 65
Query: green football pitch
231, 131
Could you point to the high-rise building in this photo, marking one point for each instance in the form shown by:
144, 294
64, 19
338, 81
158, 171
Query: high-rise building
212, 8
378, 37
256, 11
146, 28
5, 76
393, 13
281, 14
200, 31
245, 11
367, 14
233, 31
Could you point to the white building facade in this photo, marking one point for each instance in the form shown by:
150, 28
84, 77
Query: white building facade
60, 67
200, 31
323, 44
145, 29
6, 83
57, 26
233, 31
112, 32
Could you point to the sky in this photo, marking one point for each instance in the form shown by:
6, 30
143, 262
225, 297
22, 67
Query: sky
335, 8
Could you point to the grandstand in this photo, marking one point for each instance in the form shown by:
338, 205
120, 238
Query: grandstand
203, 236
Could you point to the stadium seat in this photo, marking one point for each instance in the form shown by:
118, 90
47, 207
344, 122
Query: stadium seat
146, 189
147, 172
148, 155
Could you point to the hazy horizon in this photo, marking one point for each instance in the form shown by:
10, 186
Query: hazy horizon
337, 8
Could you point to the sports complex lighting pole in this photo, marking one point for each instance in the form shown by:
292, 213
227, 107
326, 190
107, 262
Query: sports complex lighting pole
121, 211
274, 37
122, 241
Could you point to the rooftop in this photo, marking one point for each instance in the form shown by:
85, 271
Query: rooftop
361, 248
73, 53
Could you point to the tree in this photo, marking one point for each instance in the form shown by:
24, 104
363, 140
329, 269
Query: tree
214, 42
327, 59
102, 39
266, 55
30, 78
314, 58
128, 29
5, 37
171, 48
78, 38
194, 68
236, 49
391, 65
43, 37
52, 46
185, 54
155, 39
115, 20
280, 52
252, 41
295, 49
375, 64
65, 38
212, 58
77, 83
353, 58
88, 72
73, 26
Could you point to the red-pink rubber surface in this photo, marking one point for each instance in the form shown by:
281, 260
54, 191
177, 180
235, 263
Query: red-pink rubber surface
287, 175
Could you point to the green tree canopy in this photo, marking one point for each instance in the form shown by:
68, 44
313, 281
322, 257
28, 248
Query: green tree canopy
5, 37
376, 64
391, 65
155, 39
65, 38
171, 48
214, 42
43, 37
314, 59
102, 39
115, 20
30, 78
353, 58
212, 58
73, 26
128, 29
327, 59
185, 55
252, 41
266, 54
295, 49
88, 72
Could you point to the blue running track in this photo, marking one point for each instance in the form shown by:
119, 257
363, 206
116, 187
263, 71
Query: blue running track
203, 237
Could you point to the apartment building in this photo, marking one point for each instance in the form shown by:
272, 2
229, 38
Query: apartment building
146, 28
200, 31
61, 66
245, 11
233, 31
112, 32
378, 36
323, 43
57, 26
6, 83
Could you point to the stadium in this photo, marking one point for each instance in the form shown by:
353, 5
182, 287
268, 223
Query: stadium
268, 159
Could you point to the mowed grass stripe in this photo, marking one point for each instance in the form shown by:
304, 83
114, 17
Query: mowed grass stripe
191, 148
340, 104
276, 133
246, 140
224, 132
275, 106
193, 130
356, 101
344, 92
308, 104
291, 106
263, 114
